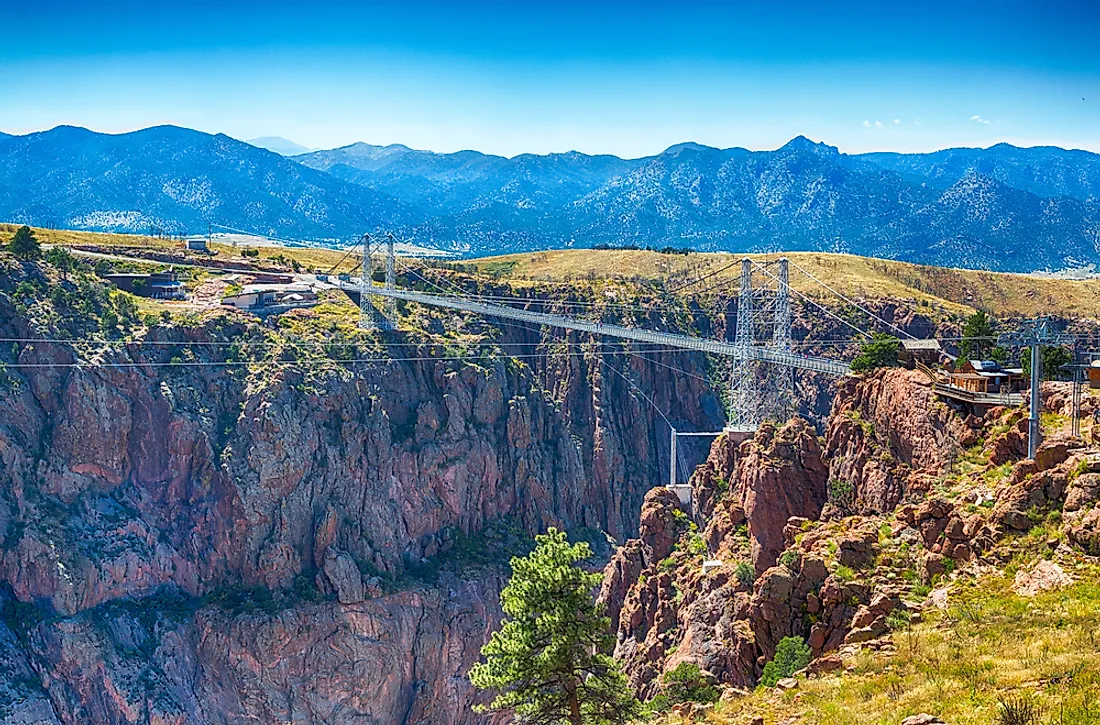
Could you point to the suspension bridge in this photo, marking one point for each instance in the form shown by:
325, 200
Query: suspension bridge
762, 351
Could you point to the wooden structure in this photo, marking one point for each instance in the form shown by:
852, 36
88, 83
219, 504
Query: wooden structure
1094, 375
985, 376
919, 352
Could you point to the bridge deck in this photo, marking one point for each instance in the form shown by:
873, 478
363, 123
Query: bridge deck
1010, 400
715, 347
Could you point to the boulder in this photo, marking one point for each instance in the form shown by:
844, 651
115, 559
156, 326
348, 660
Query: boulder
1084, 530
922, 719
1043, 576
343, 574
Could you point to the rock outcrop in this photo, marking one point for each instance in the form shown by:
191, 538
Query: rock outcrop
724, 623
887, 432
775, 551
203, 543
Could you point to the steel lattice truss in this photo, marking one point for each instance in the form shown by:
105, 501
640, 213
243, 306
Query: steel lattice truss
762, 389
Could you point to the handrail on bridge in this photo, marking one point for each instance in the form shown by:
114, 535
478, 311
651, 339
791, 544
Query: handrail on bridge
716, 347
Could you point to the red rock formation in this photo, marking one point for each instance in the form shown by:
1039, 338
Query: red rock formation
120, 482
885, 431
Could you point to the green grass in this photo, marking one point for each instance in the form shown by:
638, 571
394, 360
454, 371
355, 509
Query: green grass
990, 647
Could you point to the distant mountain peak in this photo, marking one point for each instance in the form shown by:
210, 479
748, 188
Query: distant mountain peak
801, 143
687, 146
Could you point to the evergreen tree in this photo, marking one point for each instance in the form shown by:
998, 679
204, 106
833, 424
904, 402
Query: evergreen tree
62, 260
879, 352
977, 338
23, 245
1052, 359
791, 655
547, 661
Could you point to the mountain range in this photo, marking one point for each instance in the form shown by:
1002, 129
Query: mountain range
1001, 208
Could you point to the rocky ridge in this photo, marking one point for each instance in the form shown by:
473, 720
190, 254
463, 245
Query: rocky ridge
901, 494
188, 540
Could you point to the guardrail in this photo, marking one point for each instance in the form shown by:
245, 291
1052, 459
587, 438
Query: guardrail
715, 347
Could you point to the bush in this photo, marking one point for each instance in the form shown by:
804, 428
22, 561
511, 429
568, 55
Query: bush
881, 351
684, 683
744, 573
842, 495
1019, 710
791, 655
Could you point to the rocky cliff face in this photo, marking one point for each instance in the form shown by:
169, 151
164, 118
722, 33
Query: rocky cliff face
885, 435
830, 543
188, 540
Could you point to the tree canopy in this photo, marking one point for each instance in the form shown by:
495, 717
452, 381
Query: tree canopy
61, 259
977, 337
548, 662
878, 352
1052, 359
24, 245
791, 655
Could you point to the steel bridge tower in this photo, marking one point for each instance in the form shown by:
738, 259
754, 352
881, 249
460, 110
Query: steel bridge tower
370, 316
761, 390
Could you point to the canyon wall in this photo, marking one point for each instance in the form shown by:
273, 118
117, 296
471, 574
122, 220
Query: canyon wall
183, 540
186, 539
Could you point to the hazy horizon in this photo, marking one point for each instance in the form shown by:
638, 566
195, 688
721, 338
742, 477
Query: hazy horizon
628, 79
253, 142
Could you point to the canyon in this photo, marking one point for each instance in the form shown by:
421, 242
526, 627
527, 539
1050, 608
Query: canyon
209, 521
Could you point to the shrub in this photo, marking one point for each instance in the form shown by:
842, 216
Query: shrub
880, 351
684, 683
1018, 710
744, 573
898, 619
842, 494
791, 655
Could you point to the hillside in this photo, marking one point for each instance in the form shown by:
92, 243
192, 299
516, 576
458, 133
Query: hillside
179, 180
960, 290
912, 555
1002, 208
957, 291
207, 510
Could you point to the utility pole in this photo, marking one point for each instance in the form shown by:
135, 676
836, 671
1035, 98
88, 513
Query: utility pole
1035, 334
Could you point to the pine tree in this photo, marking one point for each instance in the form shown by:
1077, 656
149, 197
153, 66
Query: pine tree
24, 245
62, 260
977, 337
881, 351
791, 655
547, 661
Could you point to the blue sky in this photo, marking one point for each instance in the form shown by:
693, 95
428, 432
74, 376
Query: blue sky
623, 78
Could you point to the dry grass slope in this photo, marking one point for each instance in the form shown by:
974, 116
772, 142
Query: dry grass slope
956, 290
990, 646
1008, 295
